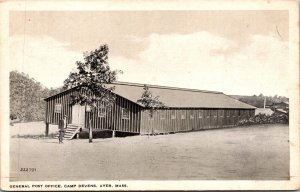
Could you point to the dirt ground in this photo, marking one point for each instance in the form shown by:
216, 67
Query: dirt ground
254, 152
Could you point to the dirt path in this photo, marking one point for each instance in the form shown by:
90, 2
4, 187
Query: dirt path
256, 152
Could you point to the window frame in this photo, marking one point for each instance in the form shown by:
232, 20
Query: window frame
227, 114
221, 113
207, 114
99, 110
56, 109
214, 113
162, 115
122, 114
183, 115
200, 115
173, 115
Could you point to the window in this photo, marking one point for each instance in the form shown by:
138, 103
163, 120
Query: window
227, 113
191, 116
125, 113
102, 111
57, 108
173, 115
162, 114
221, 113
214, 113
182, 116
207, 114
200, 114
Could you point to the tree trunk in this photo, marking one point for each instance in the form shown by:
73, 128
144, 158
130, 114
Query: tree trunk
90, 130
90, 126
47, 130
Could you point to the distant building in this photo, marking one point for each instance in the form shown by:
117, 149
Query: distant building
269, 104
266, 111
281, 107
281, 111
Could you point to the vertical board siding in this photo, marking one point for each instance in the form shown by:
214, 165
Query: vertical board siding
66, 109
111, 121
195, 119
140, 121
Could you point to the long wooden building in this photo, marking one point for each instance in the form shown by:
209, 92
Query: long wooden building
187, 110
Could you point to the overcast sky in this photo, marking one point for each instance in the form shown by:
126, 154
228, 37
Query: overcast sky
236, 52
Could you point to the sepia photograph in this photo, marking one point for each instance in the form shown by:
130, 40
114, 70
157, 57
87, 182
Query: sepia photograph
150, 96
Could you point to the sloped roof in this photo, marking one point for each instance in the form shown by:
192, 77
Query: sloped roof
180, 97
281, 110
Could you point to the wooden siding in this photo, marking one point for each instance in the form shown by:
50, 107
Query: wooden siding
111, 121
66, 109
179, 120
163, 120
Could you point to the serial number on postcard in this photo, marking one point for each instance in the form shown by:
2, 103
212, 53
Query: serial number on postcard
27, 169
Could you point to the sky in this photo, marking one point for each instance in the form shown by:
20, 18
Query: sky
235, 52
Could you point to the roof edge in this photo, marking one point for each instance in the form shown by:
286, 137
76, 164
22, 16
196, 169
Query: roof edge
249, 106
164, 87
60, 93
160, 87
151, 86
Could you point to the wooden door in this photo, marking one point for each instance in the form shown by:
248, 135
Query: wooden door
78, 115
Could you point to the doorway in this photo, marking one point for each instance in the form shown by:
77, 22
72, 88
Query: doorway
78, 115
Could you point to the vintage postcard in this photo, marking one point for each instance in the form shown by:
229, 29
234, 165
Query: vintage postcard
149, 95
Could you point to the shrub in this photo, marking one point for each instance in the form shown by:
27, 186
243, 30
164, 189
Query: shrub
265, 119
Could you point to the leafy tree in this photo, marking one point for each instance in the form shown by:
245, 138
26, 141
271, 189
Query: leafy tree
92, 82
149, 101
26, 97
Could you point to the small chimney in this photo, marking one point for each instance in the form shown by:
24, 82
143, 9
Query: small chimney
265, 102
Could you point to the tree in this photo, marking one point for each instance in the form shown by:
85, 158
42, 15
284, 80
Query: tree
92, 82
26, 97
149, 101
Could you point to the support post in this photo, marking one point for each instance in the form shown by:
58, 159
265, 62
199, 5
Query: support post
47, 129
113, 134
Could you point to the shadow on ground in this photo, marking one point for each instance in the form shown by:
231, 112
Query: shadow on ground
34, 136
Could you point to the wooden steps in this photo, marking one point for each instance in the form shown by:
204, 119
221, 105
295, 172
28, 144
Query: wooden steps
70, 131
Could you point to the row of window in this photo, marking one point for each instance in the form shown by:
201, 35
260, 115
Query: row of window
183, 116
124, 113
101, 111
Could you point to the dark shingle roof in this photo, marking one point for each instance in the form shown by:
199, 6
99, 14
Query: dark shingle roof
177, 97
180, 97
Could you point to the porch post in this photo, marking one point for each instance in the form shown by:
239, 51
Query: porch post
113, 134
47, 129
